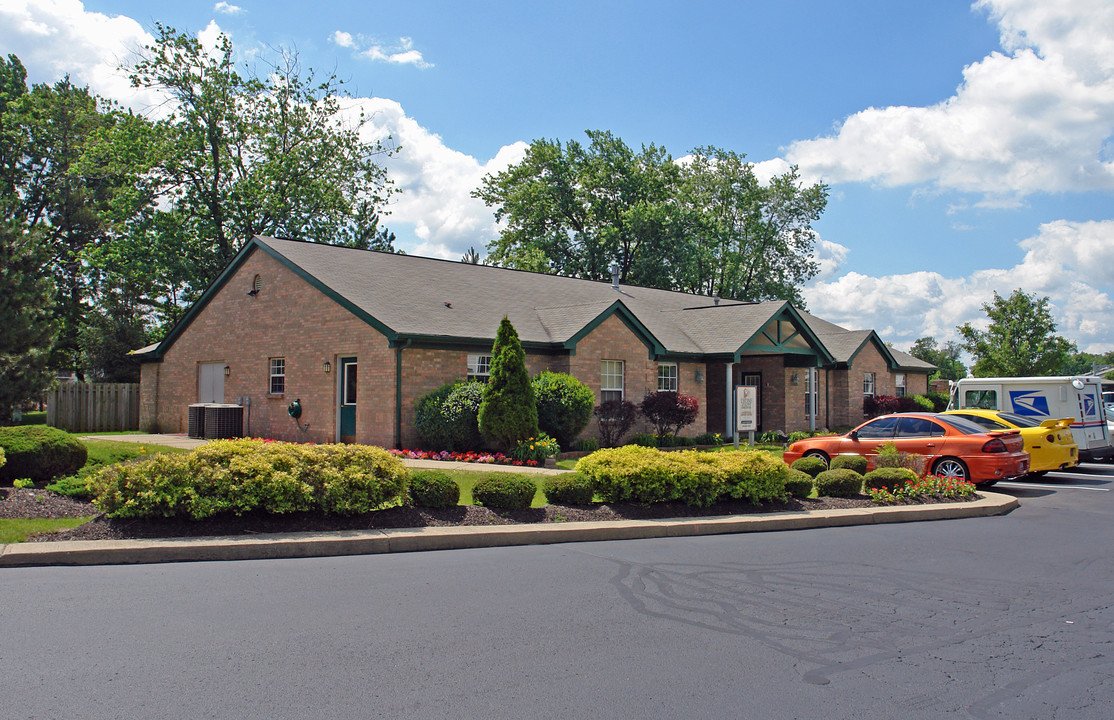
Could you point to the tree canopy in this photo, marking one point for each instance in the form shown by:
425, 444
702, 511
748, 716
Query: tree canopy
945, 357
704, 224
1020, 340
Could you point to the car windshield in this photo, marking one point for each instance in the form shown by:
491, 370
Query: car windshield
963, 425
1018, 420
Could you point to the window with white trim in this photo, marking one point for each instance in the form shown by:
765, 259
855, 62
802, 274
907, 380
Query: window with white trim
667, 377
479, 367
278, 376
611, 380
899, 384
868, 384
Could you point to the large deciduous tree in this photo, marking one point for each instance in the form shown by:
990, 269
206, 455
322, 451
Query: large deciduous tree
1020, 340
235, 154
945, 357
703, 225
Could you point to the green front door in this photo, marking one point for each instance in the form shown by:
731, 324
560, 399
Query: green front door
347, 399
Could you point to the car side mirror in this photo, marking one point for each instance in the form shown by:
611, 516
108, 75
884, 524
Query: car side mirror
854, 434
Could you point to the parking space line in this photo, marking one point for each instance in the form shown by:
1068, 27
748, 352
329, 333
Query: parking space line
1050, 487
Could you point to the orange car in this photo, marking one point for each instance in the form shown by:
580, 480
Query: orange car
952, 446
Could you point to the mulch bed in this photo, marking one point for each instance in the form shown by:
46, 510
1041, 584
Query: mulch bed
39, 503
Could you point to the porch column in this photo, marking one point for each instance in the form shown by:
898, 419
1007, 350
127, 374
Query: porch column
730, 405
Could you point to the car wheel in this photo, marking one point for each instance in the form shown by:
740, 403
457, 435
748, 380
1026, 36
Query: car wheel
818, 455
951, 468
1037, 475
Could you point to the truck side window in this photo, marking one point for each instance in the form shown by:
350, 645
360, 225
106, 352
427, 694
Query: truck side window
982, 399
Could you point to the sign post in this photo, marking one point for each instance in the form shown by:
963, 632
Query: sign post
746, 412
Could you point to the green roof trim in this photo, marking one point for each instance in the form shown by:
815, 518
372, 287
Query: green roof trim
233, 266
778, 343
872, 337
629, 319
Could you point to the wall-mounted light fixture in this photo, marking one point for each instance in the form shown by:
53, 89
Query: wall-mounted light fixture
699, 376
327, 367
793, 379
227, 371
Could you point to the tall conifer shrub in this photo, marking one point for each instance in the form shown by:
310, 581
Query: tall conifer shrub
508, 414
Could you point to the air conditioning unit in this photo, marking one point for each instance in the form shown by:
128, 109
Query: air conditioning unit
223, 421
196, 427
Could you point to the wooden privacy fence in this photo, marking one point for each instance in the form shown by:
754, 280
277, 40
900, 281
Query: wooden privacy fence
96, 407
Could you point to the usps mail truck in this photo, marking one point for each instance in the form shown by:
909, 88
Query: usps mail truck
1041, 398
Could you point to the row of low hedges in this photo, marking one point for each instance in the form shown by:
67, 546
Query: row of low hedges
640, 474
241, 476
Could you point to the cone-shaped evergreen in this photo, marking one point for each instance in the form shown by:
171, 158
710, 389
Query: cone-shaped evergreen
508, 414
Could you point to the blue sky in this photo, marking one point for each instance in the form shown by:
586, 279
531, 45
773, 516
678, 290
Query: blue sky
968, 148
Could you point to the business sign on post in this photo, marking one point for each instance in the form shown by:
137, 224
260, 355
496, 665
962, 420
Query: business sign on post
746, 408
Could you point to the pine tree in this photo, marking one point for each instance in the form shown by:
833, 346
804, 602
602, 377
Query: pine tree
508, 414
28, 331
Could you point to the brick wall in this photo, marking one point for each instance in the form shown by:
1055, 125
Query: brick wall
613, 340
290, 319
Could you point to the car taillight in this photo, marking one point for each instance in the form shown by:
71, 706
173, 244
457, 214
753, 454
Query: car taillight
1051, 438
994, 445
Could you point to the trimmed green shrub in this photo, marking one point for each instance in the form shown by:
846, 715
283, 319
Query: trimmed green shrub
839, 483
239, 476
635, 473
857, 463
504, 491
752, 475
564, 405
447, 418
810, 465
888, 477
434, 489
508, 413
799, 435
39, 452
3, 458
708, 438
799, 484
568, 489
643, 439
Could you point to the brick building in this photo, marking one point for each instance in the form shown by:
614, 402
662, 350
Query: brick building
358, 336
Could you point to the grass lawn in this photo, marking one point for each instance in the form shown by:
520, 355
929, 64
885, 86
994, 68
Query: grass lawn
18, 530
110, 452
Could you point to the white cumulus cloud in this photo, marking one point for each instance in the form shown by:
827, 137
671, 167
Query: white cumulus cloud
227, 9
1033, 118
1067, 261
400, 53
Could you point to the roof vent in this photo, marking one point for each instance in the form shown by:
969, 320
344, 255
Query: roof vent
715, 299
614, 275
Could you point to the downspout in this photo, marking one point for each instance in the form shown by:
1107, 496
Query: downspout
827, 401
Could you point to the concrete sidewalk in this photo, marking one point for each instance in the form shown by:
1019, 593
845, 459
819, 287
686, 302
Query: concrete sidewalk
365, 542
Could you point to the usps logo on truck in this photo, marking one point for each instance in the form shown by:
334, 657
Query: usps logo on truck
1029, 402
1090, 406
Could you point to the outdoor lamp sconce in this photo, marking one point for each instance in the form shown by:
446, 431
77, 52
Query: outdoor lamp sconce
699, 376
793, 379
227, 371
327, 367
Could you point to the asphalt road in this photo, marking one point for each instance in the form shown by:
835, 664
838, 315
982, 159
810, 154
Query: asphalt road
1001, 617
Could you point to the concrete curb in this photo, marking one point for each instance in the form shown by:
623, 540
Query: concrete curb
368, 542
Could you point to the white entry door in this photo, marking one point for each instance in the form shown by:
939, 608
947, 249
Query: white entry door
210, 383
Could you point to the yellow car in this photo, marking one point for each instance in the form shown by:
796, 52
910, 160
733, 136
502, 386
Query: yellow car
1049, 443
